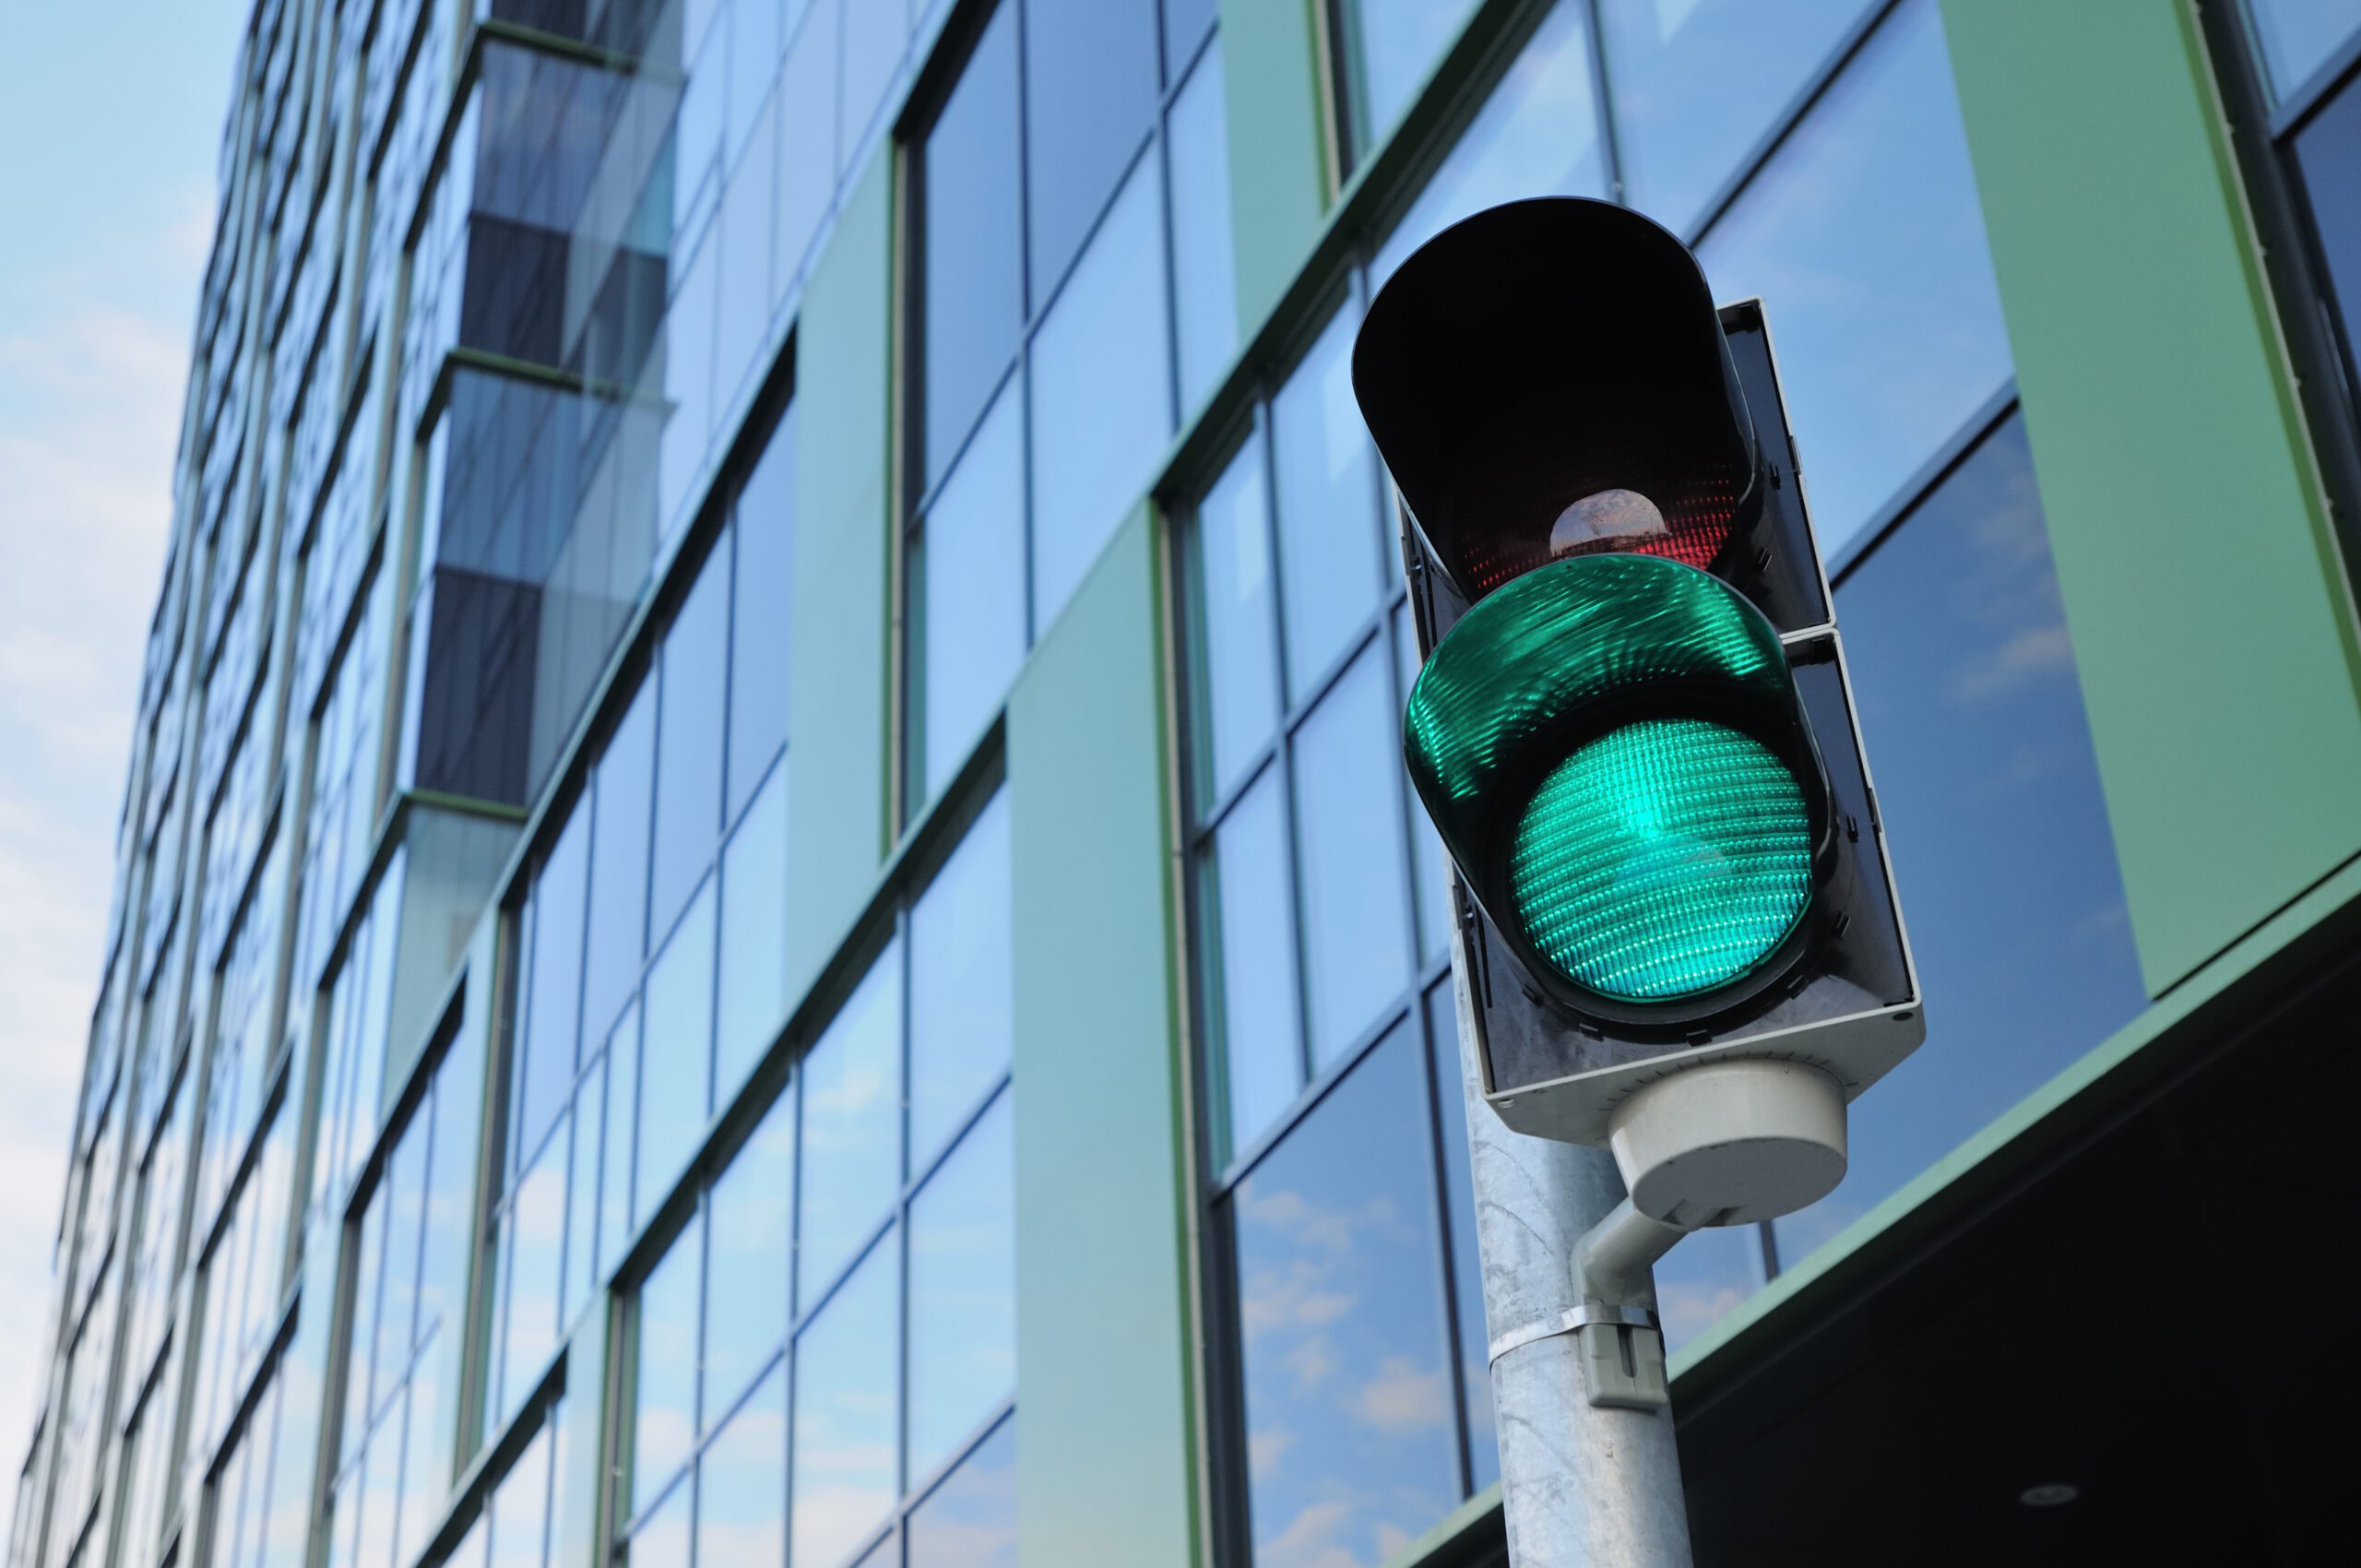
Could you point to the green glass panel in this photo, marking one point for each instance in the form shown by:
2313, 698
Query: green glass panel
1663, 860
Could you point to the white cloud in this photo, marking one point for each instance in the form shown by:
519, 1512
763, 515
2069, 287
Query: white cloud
1402, 1398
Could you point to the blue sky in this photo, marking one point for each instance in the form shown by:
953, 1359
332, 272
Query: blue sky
111, 116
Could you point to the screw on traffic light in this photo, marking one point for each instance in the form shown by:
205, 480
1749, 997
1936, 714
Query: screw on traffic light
1632, 727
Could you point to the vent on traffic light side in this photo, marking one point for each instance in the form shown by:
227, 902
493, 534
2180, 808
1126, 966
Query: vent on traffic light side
1632, 727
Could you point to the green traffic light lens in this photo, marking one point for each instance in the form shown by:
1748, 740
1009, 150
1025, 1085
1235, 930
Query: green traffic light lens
1664, 860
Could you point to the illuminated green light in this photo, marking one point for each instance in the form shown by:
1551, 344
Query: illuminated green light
1663, 860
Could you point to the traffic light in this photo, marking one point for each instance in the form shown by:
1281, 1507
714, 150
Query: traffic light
1632, 727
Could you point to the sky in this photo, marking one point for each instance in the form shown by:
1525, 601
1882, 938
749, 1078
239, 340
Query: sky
111, 116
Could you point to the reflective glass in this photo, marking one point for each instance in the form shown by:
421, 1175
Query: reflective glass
2299, 35
520, 1510
1705, 1275
544, 1060
971, 578
1254, 999
1090, 96
962, 1017
807, 101
1698, 82
1430, 865
753, 61
852, 1123
963, 1291
664, 1404
848, 1386
760, 591
582, 1197
1865, 242
741, 1483
676, 1054
1398, 43
1350, 1434
693, 669
1972, 717
1348, 837
619, 863
874, 34
615, 1227
1537, 134
1466, 1258
688, 386
970, 1520
1205, 276
537, 1232
974, 276
1329, 569
752, 1210
2327, 152
1239, 642
1102, 393
664, 1540
1186, 22
744, 288
753, 939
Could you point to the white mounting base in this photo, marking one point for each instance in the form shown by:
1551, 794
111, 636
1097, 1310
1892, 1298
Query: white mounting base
1730, 1142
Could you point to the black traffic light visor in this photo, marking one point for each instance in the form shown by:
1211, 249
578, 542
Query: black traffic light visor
1548, 379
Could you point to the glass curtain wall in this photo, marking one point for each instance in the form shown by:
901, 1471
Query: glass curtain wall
1072, 300
649, 938
844, 1290
1818, 161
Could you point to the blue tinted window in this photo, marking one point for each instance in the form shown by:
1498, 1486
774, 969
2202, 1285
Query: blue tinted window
1396, 44
1865, 239
1698, 82
963, 1291
975, 287
751, 1214
552, 942
693, 667
1537, 134
676, 1053
1238, 638
1204, 276
760, 594
971, 578
2299, 35
874, 34
1330, 565
741, 1483
1102, 393
1348, 1382
744, 288
618, 832
753, 939
754, 62
1253, 1003
2327, 152
1973, 720
665, 1403
1350, 849
1186, 23
1090, 95
847, 1390
807, 117
962, 1022
970, 1520
852, 1123
1466, 1260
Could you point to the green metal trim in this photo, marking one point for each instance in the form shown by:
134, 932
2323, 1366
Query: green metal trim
2210, 1006
1106, 1374
2213, 623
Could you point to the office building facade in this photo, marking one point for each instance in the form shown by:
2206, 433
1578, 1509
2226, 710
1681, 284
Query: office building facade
766, 909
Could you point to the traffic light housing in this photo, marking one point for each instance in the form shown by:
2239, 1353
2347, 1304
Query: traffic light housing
1632, 727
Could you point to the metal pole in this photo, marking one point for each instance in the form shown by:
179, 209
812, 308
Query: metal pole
1583, 1485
